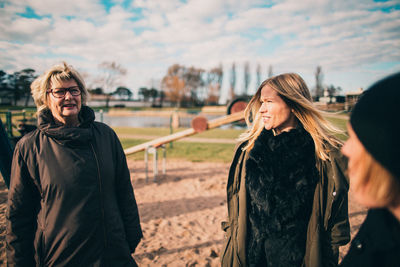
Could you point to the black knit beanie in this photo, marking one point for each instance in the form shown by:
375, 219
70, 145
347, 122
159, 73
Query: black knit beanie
375, 120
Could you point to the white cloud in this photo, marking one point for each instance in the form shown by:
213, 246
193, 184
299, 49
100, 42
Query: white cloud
24, 29
342, 36
154, 5
57, 8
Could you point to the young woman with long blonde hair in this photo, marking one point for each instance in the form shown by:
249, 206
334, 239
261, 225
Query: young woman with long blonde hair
286, 192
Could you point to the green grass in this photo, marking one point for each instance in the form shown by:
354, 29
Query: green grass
142, 131
338, 122
195, 152
221, 133
341, 124
213, 133
191, 151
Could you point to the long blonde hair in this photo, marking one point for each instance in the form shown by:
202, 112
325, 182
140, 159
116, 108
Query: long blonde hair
293, 90
56, 74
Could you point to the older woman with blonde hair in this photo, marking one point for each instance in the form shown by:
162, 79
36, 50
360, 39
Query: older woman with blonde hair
286, 191
374, 170
71, 201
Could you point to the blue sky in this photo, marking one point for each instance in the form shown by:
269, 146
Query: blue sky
355, 42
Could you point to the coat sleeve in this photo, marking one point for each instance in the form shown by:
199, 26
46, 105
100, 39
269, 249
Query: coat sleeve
22, 207
338, 222
126, 199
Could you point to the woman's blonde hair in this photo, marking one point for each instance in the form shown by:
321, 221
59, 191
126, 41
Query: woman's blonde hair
56, 74
379, 183
293, 90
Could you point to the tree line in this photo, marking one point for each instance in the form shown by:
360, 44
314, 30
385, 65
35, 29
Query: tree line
195, 86
16, 86
181, 85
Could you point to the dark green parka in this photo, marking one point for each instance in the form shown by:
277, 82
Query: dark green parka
71, 201
328, 227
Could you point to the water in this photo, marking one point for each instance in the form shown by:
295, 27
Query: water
144, 121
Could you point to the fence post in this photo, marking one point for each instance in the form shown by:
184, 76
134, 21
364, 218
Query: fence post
164, 158
9, 124
146, 161
171, 130
5, 155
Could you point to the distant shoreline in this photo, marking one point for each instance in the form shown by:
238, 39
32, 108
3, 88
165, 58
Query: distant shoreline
150, 113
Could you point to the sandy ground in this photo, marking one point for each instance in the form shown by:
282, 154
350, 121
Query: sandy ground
180, 214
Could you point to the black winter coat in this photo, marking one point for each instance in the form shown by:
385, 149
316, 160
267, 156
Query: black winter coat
328, 227
377, 243
71, 201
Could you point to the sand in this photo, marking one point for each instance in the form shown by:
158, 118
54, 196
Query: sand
180, 214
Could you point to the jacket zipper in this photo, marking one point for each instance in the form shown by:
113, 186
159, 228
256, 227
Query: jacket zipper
101, 195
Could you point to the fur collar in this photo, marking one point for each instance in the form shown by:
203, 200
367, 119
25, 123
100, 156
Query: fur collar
280, 181
283, 147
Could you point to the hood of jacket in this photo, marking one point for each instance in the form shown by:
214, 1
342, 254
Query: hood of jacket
72, 136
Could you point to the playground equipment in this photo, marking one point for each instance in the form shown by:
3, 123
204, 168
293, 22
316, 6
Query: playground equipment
199, 124
237, 105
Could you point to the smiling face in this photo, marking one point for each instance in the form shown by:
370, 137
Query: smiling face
65, 110
275, 113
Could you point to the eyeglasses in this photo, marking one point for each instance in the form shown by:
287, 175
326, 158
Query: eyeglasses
60, 92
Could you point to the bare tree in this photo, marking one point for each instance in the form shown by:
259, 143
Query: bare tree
319, 89
246, 72
258, 73
270, 72
111, 73
232, 82
193, 80
214, 81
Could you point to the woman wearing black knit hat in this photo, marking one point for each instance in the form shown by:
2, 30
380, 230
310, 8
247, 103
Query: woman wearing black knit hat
374, 170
